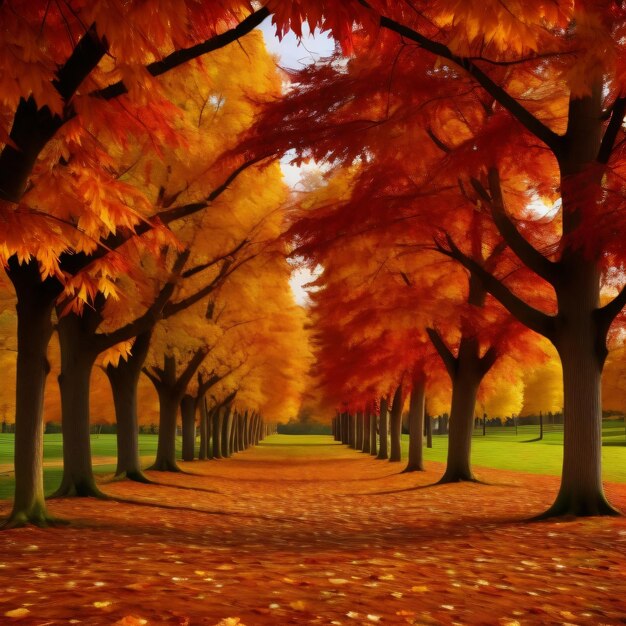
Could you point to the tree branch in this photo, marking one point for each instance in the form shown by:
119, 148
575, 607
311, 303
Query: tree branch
185, 210
199, 268
74, 263
152, 315
529, 316
525, 117
179, 57
449, 360
191, 368
488, 359
156, 381
524, 250
615, 123
172, 308
606, 314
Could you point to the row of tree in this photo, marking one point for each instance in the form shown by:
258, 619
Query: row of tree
135, 235
472, 201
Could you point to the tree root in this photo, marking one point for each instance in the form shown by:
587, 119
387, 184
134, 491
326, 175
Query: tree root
568, 505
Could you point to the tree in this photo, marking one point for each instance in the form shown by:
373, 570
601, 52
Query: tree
55, 98
557, 100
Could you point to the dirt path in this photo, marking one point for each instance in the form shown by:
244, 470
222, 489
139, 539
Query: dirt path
329, 536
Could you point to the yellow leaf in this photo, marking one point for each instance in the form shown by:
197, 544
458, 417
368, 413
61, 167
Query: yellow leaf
131, 620
17, 613
102, 604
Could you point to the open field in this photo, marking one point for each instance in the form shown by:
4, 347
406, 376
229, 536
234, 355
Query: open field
301, 530
500, 449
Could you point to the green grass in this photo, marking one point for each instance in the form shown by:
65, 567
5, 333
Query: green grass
101, 446
500, 449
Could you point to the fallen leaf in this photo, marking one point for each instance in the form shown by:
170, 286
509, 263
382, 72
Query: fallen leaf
17, 613
102, 604
338, 581
131, 620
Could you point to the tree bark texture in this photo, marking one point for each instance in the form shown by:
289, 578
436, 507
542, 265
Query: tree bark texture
383, 445
395, 430
416, 425
124, 380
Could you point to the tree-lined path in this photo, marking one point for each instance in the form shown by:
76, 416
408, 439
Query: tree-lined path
303, 530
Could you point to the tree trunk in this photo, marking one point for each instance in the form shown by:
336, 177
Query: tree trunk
373, 433
464, 390
210, 427
366, 431
204, 435
218, 419
227, 425
233, 433
251, 429
240, 445
395, 429
581, 346
77, 361
359, 431
416, 425
429, 430
245, 430
383, 446
352, 430
166, 447
344, 427
124, 380
188, 417
35, 303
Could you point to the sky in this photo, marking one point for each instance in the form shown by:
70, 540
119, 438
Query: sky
292, 54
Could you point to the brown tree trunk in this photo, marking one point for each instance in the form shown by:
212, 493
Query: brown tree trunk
35, 303
77, 359
233, 433
464, 390
240, 421
416, 425
395, 430
581, 346
188, 418
429, 430
203, 452
245, 430
366, 431
359, 430
218, 420
373, 433
227, 424
166, 447
352, 430
124, 380
383, 446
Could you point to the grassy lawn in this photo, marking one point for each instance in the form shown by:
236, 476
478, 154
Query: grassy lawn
502, 448
101, 446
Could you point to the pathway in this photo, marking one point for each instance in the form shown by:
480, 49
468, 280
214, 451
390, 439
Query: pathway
290, 533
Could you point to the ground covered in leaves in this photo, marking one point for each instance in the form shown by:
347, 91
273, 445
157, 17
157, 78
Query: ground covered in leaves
289, 533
